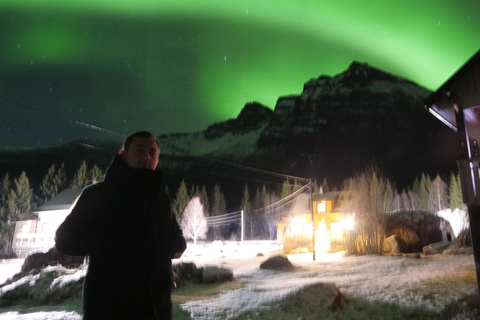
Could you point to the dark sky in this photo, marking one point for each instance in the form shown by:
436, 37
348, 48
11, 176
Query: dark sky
103, 69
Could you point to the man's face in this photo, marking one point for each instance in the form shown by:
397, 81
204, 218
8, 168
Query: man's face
142, 153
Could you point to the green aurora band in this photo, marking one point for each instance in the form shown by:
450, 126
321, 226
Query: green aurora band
183, 65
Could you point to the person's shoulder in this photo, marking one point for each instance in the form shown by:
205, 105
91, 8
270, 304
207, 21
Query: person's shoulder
93, 189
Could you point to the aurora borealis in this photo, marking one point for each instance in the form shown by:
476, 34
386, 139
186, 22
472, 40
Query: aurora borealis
179, 66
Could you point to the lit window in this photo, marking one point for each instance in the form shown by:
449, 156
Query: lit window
321, 206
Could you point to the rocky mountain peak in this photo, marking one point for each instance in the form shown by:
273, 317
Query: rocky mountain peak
254, 114
359, 76
252, 117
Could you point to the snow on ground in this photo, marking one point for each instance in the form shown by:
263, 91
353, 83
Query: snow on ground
377, 278
9, 267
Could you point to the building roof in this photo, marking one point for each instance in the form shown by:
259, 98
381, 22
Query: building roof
62, 201
325, 196
301, 204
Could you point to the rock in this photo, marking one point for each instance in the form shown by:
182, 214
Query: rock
212, 274
185, 270
393, 245
320, 299
417, 229
36, 261
279, 262
429, 250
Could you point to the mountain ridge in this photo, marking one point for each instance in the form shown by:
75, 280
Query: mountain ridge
331, 130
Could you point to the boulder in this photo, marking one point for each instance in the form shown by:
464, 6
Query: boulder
393, 245
279, 262
436, 248
36, 261
417, 229
212, 274
321, 299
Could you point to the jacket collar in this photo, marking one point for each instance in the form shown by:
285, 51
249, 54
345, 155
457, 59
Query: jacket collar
120, 173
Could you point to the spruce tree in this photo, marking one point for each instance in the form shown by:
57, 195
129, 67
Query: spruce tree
181, 200
424, 191
455, 192
49, 187
286, 189
316, 188
258, 200
61, 178
6, 228
20, 199
81, 179
245, 205
95, 175
219, 205
324, 185
204, 200
4, 192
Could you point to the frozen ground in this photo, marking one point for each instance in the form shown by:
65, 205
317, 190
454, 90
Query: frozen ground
376, 278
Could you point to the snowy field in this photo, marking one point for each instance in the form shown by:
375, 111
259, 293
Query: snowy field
400, 280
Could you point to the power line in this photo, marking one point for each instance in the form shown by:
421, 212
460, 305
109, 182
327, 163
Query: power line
257, 170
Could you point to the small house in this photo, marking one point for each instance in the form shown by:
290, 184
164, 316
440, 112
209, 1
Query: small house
332, 216
39, 234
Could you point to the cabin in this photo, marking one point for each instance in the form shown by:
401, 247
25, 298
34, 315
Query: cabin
38, 235
332, 215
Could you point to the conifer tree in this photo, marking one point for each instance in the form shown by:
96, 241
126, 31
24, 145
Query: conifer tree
296, 185
61, 178
204, 200
95, 175
219, 205
286, 189
4, 192
48, 188
53, 183
316, 188
424, 191
181, 200
245, 204
324, 186
455, 192
6, 228
20, 199
192, 191
264, 196
81, 179
258, 200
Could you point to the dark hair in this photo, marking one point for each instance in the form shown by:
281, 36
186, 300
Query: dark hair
142, 134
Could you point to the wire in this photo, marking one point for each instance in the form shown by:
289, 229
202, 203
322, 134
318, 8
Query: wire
257, 170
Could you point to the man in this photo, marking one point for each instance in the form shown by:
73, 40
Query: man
126, 227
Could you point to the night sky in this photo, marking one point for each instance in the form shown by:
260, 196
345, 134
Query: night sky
102, 69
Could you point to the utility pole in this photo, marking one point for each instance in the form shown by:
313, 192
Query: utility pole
313, 216
243, 227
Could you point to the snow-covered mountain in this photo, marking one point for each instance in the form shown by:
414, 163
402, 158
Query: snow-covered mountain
332, 129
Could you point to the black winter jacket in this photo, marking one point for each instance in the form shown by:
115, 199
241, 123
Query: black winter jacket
126, 227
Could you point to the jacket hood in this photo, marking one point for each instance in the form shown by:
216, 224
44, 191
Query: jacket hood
120, 173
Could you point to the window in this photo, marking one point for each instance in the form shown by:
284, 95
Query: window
321, 206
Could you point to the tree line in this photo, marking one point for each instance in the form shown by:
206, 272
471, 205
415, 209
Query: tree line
377, 193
